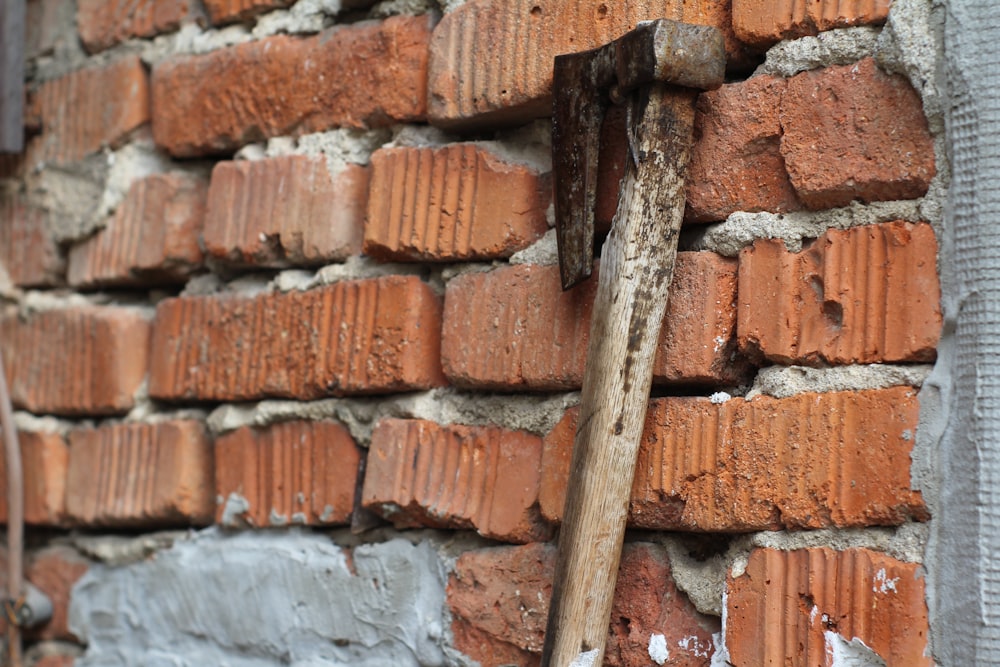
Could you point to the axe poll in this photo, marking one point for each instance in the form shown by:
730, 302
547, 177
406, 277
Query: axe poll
656, 70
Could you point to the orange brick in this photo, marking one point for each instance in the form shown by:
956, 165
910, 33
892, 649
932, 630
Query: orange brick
481, 477
361, 75
455, 202
142, 475
491, 61
499, 599
55, 570
56, 660
27, 251
855, 132
298, 472
103, 24
515, 327
857, 296
764, 22
151, 238
780, 609
285, 210
809, 461
354, 337
230, 11
76, 122
44, 457
85, 360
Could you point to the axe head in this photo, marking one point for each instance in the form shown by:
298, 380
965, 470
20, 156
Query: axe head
583, 85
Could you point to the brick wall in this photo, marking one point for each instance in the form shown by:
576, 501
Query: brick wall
281, 310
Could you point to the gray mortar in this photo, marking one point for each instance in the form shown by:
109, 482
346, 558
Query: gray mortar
340, 147
543, 251
356, 267
388, 8
115, 551
254, 599
785, 381
537, 414
304, 17
29, 423
833, 47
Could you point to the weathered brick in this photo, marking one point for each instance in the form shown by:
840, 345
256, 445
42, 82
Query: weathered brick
86, 360
151, 238
353, 337
27, 251
862, 295
491, 61
499, 600
55, 570
789, 606
764, 22
285, 210
481, 477
361, 75
76, 122
297, 472
44, 457
56, 660
138, 474
454, 202
808, 461
855, 132
230, 11
102, 24
515, 327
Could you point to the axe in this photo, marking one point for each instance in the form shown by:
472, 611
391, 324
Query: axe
656, 70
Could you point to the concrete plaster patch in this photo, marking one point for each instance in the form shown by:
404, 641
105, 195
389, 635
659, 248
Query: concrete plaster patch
785, 381
832, 47
254, 599
543, 251
854, 653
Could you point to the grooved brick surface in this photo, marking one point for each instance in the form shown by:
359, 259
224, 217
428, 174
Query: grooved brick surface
27, 251
481, 477
44, 457
491, 61
298, 472
808, 461
142, 475
353, 337
229, 11
360, 75
283, 210
499, 600
855, 132
87, 360
76, 122
152, 236
764, 22
102, 24
862, 295
515, 327
783, 608
455, 202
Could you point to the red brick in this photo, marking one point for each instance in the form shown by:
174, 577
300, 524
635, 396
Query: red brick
857, 296
455, 202
855, 132
87, 360
76, 122
780, 608
361, 75
299, 472
151, 238
44, 457
810, 461
491, 61
283, 210
142, 475
27, 251
55, 660
230, 11
515, 327
481, 477
102, 24
55, 570
354, 337
499, 601
764, 22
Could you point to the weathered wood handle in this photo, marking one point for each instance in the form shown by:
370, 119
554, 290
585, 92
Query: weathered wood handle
637, 265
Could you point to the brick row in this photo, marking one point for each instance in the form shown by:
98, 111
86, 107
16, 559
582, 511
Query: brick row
808, 461
103, 24
27, 251
485, 478
357, 337
764, 22
151, 238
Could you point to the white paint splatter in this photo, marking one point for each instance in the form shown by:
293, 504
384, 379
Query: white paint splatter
658, 650
585, 659
854, 653
812, 614
695, 646
883, 584
720, 342
719, 397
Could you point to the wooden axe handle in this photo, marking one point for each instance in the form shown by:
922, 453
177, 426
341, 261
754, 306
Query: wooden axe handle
637, 266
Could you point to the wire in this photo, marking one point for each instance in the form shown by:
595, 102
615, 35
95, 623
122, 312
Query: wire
15, 520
